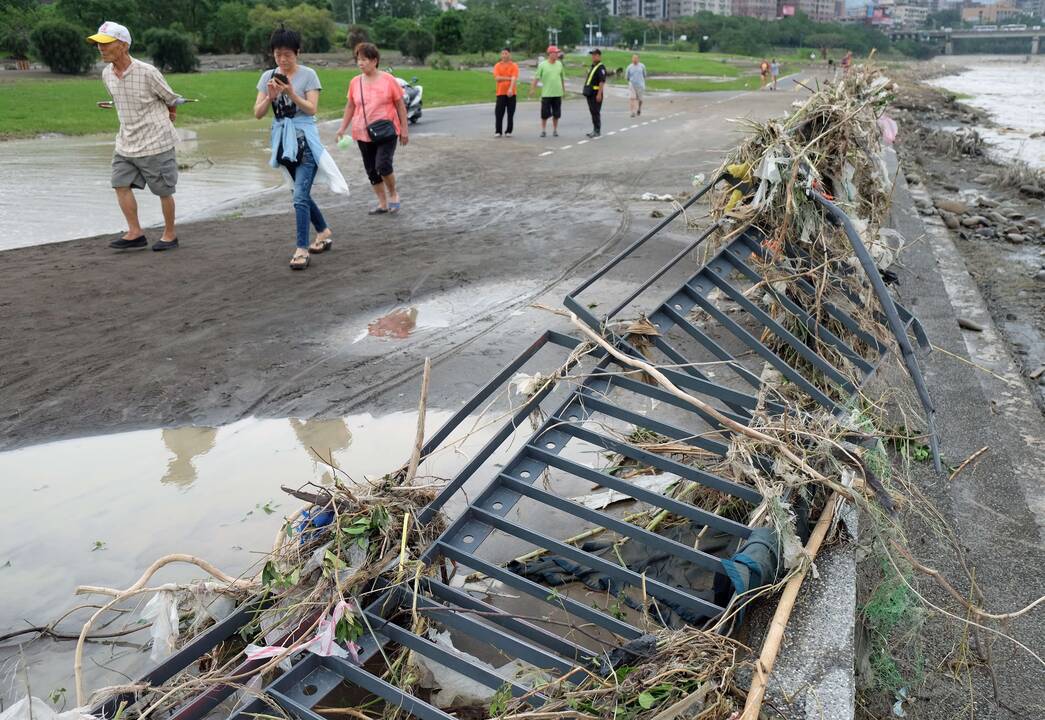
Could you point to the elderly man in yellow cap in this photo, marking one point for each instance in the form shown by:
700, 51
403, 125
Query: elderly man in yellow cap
144, 153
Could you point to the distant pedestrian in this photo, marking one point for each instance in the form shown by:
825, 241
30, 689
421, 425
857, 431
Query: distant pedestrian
847, 62
594, 84
774, 71
552, 77
292, 91
636, 75
506, 76
763, 72
144, 153
377, 114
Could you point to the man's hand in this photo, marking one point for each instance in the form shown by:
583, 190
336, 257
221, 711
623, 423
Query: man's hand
172, 111
598, 96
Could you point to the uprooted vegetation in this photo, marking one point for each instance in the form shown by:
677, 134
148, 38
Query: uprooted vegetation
354, 542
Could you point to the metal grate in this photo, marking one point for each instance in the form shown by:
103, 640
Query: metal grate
606, 391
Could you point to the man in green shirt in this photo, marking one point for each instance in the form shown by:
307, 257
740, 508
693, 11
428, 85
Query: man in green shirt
552, 77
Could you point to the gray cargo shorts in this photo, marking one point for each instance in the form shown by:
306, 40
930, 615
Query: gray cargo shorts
159, 172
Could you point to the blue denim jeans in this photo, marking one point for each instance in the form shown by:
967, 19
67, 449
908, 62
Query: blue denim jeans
305, 209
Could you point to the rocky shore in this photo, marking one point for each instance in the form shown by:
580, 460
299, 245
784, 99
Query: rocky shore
992, 205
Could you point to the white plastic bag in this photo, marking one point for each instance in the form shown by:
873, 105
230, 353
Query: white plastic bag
162, 612
36, 709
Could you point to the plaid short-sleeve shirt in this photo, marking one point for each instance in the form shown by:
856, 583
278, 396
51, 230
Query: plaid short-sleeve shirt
141, 97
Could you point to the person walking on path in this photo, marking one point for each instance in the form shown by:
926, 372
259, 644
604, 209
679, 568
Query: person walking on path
552, 77
763, 73
636, 76
377, 114
144, 153
506, 76
593, 87
292, 91
774, 71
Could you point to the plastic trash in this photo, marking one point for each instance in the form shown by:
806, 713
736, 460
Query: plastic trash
162, 612
36, 709
322, 643
888, 127
344, 143
655, 196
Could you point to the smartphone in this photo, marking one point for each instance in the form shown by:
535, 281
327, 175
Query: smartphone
105, 104
280, 77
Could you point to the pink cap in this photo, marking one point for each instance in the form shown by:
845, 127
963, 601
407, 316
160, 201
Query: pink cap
552, 50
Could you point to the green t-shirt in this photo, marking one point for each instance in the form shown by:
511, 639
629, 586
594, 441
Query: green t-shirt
550, 75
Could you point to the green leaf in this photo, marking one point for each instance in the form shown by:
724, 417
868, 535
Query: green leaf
646, 700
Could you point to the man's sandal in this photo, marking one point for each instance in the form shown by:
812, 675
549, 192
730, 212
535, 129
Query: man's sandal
299, 262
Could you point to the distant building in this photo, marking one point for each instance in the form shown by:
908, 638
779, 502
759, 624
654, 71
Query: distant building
761, 9
648, 9
989, 14
909, 16
688, 8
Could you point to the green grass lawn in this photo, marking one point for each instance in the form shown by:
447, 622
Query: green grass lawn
696, 85
31, 106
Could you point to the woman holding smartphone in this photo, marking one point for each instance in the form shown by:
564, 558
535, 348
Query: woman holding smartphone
376, 111
292, 91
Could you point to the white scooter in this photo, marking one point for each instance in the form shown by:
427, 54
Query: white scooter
412, 93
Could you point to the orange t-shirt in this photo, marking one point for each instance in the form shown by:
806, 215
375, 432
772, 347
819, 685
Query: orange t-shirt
505, 69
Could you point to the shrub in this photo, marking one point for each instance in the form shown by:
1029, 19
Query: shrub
316, 26
227, 29
62, 47
355, 35
417, 43
448, 32
171, 50
440, 62
388, 31
15, 27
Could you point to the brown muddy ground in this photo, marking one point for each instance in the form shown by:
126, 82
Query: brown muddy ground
94, 341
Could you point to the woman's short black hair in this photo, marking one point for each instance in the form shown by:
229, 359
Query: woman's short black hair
283, 37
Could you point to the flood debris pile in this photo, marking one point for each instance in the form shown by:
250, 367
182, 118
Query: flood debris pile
349, 544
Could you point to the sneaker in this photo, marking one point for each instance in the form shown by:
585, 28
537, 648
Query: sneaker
497, 135
593, 134
161, 245
544, 134
132, 244
507, 134
555, 133
633, 114
639, 112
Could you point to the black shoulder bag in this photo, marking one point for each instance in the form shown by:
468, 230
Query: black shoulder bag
381, 130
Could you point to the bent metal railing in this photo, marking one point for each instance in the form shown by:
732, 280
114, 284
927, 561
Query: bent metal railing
607, 392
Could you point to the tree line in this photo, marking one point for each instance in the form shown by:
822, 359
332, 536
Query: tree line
173, 32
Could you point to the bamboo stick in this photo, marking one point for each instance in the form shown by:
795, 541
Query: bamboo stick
419, 439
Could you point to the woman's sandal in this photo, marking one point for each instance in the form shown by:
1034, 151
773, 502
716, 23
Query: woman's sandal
299, 262
377, 211
323, 245
393, 207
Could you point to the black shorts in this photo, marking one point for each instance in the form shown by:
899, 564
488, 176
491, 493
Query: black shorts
551, 107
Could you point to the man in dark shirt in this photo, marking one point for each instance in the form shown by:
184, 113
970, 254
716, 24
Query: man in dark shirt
593, 85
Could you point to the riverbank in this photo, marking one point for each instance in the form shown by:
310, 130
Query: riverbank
991, 203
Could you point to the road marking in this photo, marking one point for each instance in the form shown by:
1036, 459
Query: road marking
547, 152
646, 123
566, 147
624, 129
614, 132
633, 127
581, 142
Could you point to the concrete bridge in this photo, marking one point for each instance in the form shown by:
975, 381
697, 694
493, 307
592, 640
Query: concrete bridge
949, 36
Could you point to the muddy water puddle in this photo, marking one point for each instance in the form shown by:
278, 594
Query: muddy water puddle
58, 188
99, 510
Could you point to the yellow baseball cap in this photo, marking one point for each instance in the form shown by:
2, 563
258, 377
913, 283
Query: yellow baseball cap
110, 32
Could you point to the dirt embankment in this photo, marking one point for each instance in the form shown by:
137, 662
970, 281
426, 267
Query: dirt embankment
992, 205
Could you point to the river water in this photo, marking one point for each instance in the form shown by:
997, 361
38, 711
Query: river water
1011, 89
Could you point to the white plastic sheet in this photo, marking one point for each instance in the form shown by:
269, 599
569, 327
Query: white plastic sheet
36, 709
322, 643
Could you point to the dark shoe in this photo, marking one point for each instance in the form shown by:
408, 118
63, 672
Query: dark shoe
377, 211
544, 133
593, 134
161, 245
133, 244
555, 133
